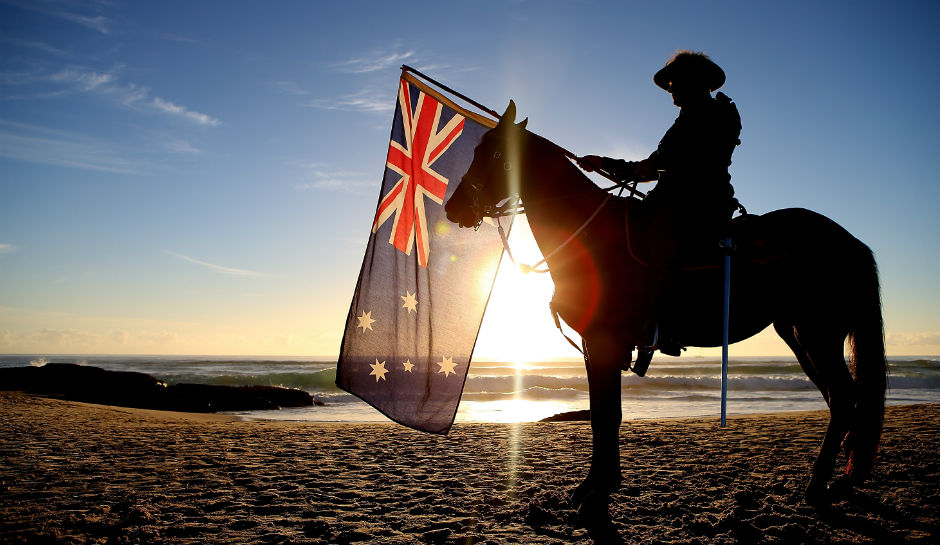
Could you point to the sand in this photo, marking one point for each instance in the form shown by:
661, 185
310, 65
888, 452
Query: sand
79, 473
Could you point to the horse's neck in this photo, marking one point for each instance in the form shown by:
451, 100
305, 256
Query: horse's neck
555, 193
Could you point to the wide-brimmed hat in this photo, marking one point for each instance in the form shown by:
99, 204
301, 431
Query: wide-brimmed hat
690, 64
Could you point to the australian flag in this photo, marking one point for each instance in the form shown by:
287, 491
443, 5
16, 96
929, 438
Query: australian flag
424, 283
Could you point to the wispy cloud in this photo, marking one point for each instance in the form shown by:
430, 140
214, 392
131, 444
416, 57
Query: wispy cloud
40, 46
7, 248
290, 88
913, 339
76, 79
179, 146
175, 109
83, 80
64, 11
231, 271
56, 147
374, 61
367, 100
350, 182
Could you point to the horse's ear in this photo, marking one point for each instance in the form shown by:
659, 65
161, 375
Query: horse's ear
509, 116
523, 124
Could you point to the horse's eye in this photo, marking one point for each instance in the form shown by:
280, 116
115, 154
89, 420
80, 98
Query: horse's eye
497, 155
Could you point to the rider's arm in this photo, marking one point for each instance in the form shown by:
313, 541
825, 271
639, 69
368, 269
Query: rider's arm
624, 171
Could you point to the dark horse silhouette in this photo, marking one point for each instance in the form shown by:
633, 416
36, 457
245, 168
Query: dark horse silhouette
795, 269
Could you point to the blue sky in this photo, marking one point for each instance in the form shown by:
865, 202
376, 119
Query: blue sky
200, 177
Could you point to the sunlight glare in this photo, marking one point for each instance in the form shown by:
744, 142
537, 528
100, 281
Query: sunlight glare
518, 326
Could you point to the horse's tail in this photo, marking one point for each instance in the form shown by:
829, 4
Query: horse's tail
870, 370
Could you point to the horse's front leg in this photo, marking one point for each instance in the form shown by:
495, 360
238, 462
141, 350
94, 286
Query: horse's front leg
603, 355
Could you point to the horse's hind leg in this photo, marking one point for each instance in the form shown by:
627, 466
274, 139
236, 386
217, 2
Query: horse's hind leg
825, 354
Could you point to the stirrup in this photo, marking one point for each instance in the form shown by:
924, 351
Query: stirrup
642, 363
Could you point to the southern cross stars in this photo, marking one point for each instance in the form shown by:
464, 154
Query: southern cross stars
411, 302
378, 370
447, 366
365, 321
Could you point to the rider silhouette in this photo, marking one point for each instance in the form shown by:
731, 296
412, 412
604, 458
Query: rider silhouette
693, 199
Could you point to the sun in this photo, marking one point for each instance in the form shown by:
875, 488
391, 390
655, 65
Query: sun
518, 326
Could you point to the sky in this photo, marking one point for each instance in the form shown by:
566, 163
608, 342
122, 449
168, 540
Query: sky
201, 177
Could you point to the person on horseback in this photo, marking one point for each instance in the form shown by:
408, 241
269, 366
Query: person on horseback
688, 210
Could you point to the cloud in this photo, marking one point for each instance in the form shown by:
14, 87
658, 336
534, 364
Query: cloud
350, 182
7, 248
55, 147
913, 339
61, 10
231, 271
83, 80
181, 146
41, 46
367, 100
290, 88
96, 22
75, 79
198, 117
374, 61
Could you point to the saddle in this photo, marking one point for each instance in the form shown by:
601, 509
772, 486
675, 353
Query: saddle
750, 244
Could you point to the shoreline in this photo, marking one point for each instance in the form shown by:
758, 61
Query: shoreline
84, 473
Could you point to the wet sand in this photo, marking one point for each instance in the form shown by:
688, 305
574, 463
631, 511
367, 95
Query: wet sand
79, 473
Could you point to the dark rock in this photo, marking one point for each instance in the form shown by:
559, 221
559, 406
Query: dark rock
131, 389
571, 416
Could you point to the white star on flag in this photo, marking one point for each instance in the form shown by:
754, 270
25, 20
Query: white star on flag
365, 321
411, 302
408, 365
447, 366
378, 370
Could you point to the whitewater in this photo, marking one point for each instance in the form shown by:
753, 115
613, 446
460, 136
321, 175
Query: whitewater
507, 392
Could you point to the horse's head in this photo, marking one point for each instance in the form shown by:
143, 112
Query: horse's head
493, 175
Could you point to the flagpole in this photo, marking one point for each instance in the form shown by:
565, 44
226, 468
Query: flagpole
725, 327
492, 112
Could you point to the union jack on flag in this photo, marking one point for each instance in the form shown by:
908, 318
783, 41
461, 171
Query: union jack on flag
425, 142
424, 283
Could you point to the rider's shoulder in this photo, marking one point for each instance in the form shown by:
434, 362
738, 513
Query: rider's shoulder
725, 107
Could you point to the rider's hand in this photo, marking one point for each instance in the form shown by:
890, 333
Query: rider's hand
590, 163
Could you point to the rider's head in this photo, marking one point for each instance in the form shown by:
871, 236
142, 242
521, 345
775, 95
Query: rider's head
690, 77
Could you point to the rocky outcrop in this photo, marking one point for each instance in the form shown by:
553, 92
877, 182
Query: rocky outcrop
131, 389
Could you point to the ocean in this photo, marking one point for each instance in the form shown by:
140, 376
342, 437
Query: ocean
507, 392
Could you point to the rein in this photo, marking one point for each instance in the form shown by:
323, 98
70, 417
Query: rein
533, 268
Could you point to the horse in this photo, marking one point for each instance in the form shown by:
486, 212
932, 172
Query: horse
794, 269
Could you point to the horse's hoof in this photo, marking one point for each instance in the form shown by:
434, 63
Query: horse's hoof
594, 513
581, 492
816, 494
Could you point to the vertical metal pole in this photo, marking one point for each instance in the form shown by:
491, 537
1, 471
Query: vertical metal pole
726, 325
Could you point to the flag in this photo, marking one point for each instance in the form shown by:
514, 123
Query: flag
424, 283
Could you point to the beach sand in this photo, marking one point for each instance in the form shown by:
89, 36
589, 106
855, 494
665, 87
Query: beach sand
79, 473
